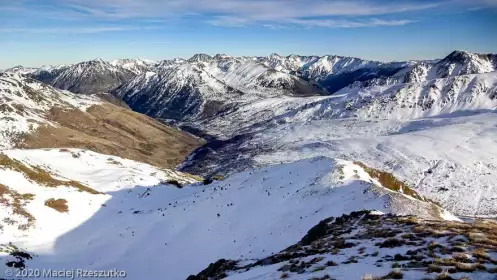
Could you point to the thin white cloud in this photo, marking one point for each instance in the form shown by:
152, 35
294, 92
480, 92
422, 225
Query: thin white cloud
250, 9
229, 21
328, 23
75, 30
351, 23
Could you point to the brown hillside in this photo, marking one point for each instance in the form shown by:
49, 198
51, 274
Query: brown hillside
114, 130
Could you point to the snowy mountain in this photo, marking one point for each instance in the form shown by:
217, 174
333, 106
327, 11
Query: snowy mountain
95, 76
25, 104
169, 62
45, 74
455, 64
405, 101
35, 115
204, 87
200, 57
336, 72
330, 71
137, 66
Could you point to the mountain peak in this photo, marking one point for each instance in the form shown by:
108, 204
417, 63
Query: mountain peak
98, 60
458, 55
200, 57
221, 56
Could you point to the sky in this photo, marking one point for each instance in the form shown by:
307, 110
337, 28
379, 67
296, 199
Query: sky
44, 32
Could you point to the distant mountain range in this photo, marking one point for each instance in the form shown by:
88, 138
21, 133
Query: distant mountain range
202, 85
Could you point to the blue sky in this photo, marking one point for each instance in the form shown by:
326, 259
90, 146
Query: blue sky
38, 32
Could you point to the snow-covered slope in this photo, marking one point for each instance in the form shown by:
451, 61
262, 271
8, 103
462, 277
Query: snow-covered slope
31, 177
151, 231
438, 135
95, 76
202, 87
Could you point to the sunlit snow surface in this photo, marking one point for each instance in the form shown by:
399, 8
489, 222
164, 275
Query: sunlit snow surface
153, 230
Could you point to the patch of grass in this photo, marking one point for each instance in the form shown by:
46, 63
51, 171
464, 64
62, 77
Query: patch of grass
17, 203
408, 236
468, 267
391, 243
445, 262
40, 176
443, 276
389, 181
59, 205
480, 253
319, 268
218, 177
394, 274
434, 268
433, 245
